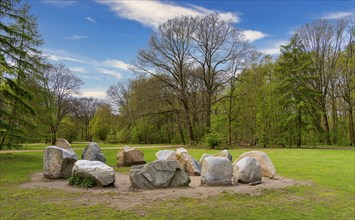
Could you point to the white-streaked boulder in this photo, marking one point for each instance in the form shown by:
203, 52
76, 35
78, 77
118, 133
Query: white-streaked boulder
166, 155
102, 174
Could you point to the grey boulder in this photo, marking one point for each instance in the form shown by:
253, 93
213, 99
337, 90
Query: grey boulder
102, 174
203, 157
216, 171
166, 155
94, 153
246, 170
158, 174
58, 162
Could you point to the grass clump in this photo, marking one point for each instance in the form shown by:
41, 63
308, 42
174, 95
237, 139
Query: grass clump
79, 181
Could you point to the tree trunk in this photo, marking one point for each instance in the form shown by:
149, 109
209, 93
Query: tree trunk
334, 121
181, 132
54, 135
230, 120
299, 129
351, 127
188, 121
208, 111
326, 128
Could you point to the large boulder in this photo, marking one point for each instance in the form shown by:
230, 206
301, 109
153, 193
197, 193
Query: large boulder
246, 170
94, 153
224, 153
267, 168
187, 162
203, 157
102, 174
129, 156
58, 162
62, 143
158, 174
166, 155
216, 171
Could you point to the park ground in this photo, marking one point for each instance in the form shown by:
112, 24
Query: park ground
328, 191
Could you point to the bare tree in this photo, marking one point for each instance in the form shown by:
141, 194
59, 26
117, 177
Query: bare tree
84, 110
216, 44
168, 58
59, 85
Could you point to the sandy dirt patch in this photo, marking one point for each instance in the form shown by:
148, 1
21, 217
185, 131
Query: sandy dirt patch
122, 196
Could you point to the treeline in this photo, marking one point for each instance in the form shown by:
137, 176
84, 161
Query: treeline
199, 81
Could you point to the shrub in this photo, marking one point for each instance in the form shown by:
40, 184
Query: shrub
213, 139
79, 181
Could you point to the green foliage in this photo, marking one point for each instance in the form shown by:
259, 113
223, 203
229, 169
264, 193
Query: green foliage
213, 139
79, 181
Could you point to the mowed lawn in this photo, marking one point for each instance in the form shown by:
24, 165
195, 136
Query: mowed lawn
332, 195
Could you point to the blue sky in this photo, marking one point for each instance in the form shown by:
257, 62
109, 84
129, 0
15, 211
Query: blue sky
97, 39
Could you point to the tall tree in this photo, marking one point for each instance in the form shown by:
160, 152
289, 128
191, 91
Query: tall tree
168, 59
59, 85
19, 38
324, 41
216, 43
294, 66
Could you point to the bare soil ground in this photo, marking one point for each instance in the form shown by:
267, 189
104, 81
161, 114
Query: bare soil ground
122, 196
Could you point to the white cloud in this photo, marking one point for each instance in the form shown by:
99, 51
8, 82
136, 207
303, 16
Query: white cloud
152, 13
108, 72
78, 69
96, 93
75, 37
90, 19
253, 35
338, 14
117, 64
274, 49
61, 58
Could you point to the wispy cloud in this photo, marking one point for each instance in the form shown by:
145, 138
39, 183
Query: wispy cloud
153, 13
274, 48
112, 73
86, 66
90, 19
117, 64
78, 69
252, 35
96, 93
61, 58
75, 37
338, 14
59, 3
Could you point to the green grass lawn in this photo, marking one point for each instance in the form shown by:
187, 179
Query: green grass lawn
332, 196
